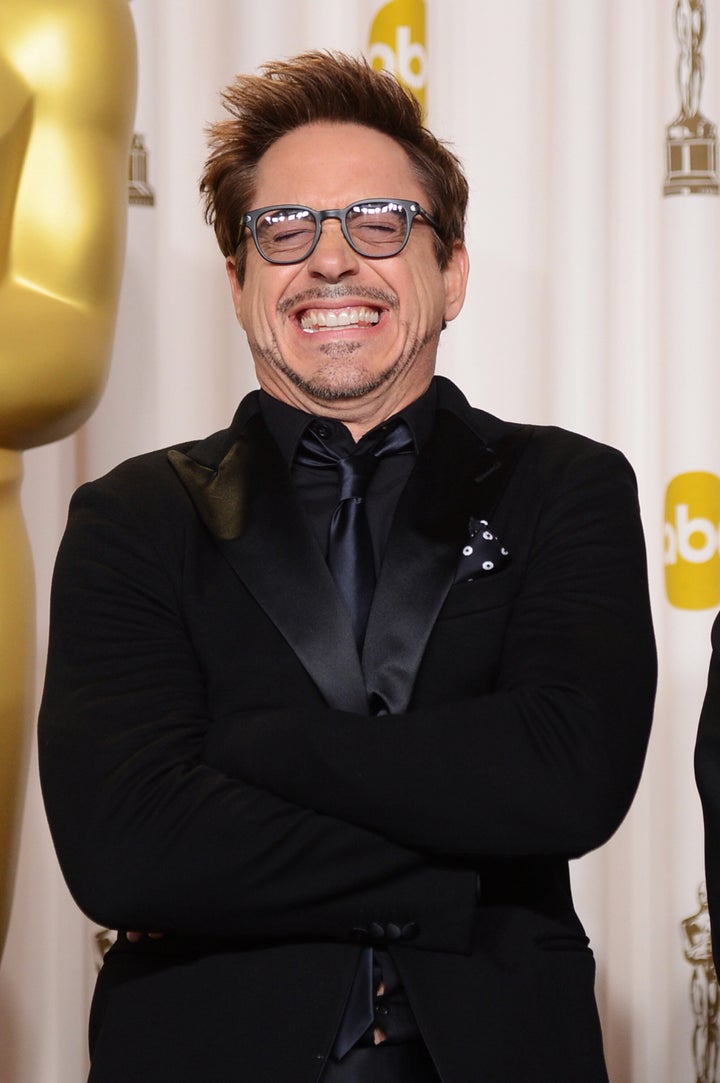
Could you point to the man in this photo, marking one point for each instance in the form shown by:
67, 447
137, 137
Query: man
707, 774
334, 694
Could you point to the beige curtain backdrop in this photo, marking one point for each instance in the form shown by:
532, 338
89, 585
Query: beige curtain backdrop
593, 304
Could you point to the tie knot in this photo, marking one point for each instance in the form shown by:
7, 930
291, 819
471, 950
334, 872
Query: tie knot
357, 466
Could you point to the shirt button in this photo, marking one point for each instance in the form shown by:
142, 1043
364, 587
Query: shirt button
322, 430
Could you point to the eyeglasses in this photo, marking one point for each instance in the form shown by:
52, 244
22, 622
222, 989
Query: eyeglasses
374, 228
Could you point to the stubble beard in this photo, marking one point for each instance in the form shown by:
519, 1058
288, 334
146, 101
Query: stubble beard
342, 377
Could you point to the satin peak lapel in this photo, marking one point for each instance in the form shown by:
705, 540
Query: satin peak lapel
248, 505
457, 477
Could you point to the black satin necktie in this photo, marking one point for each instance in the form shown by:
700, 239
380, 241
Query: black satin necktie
350, 550
352, 563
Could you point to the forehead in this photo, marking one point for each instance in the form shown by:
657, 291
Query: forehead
330, 165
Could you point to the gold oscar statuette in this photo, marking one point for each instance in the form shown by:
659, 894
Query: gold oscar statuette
68, 76
691, 139
704, 992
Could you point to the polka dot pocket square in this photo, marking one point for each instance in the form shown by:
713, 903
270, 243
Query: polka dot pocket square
482, 554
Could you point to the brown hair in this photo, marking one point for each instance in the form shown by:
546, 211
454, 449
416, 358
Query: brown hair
322, 86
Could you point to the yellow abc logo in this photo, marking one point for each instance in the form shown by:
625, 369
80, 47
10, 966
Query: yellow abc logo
692, 541
397, 44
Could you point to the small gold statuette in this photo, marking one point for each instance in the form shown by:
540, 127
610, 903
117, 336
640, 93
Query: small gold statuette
139, 190
704, 993
691, 139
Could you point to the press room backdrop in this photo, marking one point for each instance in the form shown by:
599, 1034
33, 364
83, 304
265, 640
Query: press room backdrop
593, 304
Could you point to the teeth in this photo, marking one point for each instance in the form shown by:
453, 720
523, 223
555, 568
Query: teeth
341, 317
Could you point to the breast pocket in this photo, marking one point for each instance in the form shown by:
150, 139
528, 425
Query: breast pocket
481, 594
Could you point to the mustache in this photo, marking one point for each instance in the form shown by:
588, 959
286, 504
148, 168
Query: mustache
338, 293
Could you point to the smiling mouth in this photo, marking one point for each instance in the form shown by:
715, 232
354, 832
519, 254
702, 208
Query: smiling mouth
320, 319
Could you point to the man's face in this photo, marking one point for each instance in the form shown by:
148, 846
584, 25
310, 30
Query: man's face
341, 334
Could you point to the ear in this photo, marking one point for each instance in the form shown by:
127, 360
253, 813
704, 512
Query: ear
235, 287
455, 275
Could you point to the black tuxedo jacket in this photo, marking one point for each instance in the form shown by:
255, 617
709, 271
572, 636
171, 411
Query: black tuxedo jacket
219, 764
707, 774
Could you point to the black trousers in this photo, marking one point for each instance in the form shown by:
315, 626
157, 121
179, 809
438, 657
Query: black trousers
384, 1063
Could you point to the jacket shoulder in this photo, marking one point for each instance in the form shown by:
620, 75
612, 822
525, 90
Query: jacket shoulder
547, 442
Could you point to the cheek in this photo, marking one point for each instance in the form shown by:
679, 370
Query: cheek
261, 296
252, 312
428, 300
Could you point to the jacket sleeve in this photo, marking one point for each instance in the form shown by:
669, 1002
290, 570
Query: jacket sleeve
707, 774
149, 836
546, 762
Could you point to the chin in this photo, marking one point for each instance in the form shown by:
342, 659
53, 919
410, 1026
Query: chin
340, 380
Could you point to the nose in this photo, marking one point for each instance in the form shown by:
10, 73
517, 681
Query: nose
333, 258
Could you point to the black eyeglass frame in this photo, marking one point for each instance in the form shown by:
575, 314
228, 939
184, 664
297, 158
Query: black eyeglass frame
411, 207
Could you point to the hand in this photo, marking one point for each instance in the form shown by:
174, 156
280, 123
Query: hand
136, 937
379, 1035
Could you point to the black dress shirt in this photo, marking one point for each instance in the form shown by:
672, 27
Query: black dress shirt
317, 489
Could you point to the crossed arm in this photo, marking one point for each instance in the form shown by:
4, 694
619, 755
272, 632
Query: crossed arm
290, 822
544, 764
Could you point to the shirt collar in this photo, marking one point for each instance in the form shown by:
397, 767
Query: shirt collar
287, 424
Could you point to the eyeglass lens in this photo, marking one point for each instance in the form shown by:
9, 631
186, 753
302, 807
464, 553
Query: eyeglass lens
375, 229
